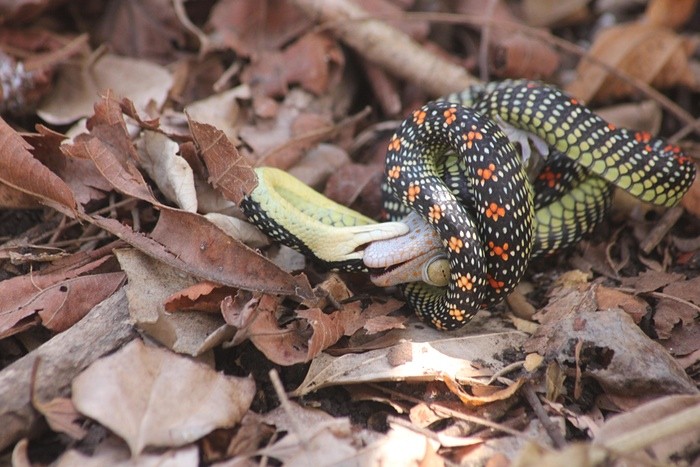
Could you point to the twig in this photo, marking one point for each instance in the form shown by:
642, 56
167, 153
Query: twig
667, 221
551, 428
455, 414
284, 401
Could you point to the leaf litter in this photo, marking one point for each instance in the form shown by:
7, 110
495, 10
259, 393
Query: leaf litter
174, 122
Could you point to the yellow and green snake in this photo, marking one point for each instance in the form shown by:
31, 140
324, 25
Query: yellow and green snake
452, 164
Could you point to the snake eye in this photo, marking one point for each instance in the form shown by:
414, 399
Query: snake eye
437, 271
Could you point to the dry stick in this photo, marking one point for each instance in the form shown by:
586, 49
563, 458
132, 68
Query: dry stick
667, 221
551, 428
388, 47
437, 407
103, 330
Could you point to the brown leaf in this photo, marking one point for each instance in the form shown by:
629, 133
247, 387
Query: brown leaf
204, 296
652, 54
151, 282
649, 281
669, 13
611, 346
228, 170
109, 146
79, 84
248, 27
257, 321
141, 29
634, 306
25, 296
61, 416
64, 304
671, 313
21, 171
687, 290
315, 62
163, 399
207, 252
81, 175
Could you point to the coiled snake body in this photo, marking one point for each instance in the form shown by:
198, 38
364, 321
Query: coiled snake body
478, 199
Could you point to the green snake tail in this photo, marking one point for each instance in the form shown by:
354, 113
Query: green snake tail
488, 250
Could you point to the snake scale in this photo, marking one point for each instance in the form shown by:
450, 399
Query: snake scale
452, 164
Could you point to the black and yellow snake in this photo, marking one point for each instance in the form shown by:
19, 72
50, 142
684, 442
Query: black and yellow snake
451, 163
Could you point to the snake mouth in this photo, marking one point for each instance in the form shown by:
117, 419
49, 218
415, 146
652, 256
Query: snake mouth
421, 268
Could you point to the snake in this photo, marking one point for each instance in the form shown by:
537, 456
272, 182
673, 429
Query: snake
477, 218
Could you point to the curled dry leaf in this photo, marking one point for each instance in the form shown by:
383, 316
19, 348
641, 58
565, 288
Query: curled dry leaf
171, 173
228, 170
110, 147
22, 172
152, 397
203, 296
652, 54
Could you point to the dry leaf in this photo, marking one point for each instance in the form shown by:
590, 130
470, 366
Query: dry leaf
171, 173
425, 356
659, 430
634, 306
203, 296
612, 346
22, 172
152, 397
229, 172
79, 86
25, 296
150, 284
110, 147
652, 54
61, 416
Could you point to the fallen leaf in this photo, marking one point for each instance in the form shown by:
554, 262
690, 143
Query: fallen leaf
152, 397
687, 290
110, 147
22, 172
203, 296
150, 285
425, 355
25, 296
170, 172
652, 54
658, 431
612, 346
671, 313
608, 298
78, 86
64, 304
61, 416
228, 170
